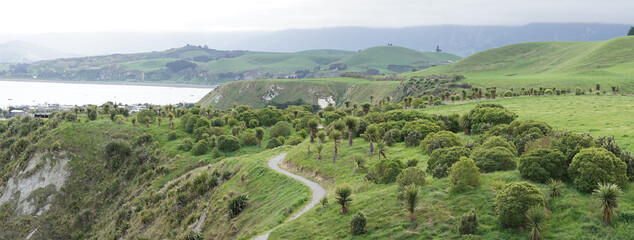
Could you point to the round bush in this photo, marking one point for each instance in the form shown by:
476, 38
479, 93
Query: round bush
115, 152
497, 141
543, 164
571, 143
273, 143
392, 136
464, 175
442, 139
294, 140
592, 166
248, 139
411, 175
441, 160
200, 148
172, 136
422, 126
144, 139
494, 159
227, 143
385, 171
513, 200
282, 128
186, 144
357, 224
413, 138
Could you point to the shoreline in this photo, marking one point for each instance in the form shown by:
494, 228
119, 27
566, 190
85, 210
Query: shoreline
177, 85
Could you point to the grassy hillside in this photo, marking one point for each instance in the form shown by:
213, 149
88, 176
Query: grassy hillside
549, 64
598, 115
201, 65
574, 215
152, 196
260, 93
160, 191
381, 57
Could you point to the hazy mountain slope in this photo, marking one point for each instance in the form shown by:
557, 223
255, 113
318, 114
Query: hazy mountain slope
457, 39
21, 52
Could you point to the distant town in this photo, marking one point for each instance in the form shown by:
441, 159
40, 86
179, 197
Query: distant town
45, 110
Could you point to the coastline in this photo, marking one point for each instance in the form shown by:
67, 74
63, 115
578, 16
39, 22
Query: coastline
177, 85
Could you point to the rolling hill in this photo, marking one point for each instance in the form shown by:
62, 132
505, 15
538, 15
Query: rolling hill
201, 65
549, 64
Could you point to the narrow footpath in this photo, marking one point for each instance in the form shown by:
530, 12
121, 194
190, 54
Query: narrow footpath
318, 191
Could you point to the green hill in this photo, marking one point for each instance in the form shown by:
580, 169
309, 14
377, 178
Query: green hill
403, 59
201, 65
549, 64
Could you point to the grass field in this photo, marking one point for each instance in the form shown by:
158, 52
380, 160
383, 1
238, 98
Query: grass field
598, 115
549, 64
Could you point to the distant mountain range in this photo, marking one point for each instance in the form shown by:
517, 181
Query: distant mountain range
456, 39
24, 52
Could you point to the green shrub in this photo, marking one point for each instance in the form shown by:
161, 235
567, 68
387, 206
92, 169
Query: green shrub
592, 166
253, 123
412, 162
442, 139
513, 200
282, 128
521, 127
216, 131
116, 152
385, 171
200, 148
294, 140
494, 159
543, 164
357, 224
468, 223
485, 116
441, 160
144, 139
172, 136
422, 126
411, 175
237, 204
392, 136
413, 138
571, 143
248, 139
273, 143
497, 141
215, 153
227, 143
302, 133
464, 175
201, 133
186, 144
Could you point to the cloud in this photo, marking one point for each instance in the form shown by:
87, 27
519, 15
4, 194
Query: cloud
37, 16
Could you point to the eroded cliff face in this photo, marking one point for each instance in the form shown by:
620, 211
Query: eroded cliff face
31, 190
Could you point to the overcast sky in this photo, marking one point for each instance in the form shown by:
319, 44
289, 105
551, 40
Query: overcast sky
41, 16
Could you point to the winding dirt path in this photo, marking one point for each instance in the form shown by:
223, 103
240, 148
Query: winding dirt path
318, 191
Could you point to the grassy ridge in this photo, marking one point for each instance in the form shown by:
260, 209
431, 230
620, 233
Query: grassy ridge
380, 57
549, 64
290, 90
